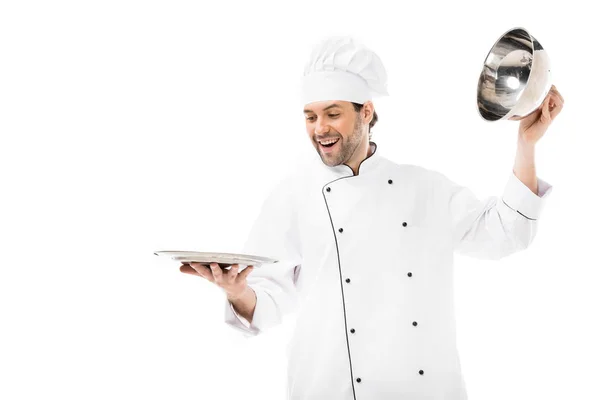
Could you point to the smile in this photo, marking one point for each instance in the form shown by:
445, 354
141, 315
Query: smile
328, 145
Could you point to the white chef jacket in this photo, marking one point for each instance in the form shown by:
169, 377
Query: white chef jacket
366, 264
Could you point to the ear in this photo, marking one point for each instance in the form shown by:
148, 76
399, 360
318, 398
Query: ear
367, 111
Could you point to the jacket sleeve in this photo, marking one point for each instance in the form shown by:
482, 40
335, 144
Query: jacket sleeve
499, 225
274, 234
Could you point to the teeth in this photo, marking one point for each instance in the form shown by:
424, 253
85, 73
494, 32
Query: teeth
329, 141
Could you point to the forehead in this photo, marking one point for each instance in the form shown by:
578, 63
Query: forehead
320, 106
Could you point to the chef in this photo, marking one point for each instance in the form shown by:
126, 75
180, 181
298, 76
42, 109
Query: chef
365, 246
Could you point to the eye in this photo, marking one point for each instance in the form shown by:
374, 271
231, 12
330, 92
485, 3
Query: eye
330, 116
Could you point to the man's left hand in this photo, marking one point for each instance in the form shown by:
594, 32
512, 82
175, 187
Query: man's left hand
533, 127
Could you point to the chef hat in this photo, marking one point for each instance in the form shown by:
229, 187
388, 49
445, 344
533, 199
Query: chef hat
340, 68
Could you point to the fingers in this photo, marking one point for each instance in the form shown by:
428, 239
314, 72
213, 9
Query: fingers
233, 272
545, 118
556, 104
217, 273
202, 271
554, 90
186, 269
555, 109
244, 274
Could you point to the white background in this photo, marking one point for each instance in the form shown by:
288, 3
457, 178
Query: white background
129, 127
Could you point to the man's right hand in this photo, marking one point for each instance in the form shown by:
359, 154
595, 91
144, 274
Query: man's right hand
233, 283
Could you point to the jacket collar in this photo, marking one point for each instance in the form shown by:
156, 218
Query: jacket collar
366, 166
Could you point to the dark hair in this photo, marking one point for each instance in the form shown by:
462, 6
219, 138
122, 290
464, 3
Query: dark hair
358, 107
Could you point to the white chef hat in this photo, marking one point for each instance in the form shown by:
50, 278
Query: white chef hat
340, 68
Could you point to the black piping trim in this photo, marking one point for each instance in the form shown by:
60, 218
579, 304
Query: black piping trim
531, 219
358, 169
341, 282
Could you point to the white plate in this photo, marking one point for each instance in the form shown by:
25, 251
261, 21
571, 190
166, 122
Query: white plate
223, 259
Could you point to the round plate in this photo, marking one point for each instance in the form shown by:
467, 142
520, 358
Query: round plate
223, 259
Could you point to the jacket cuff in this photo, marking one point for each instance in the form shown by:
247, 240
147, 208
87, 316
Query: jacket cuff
236, 321
260, 319
521, 199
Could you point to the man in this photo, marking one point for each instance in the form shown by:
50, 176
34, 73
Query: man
366, 247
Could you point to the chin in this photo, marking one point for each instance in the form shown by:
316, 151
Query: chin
330, 161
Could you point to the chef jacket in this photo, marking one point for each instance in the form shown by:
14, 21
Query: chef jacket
366, 264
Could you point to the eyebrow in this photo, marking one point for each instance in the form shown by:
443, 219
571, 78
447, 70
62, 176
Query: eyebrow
325, 109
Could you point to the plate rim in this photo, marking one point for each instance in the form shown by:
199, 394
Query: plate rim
241, 256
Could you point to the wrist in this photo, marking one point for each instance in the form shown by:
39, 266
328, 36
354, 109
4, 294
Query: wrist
525, 144
236, 296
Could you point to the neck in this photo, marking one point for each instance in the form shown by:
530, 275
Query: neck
363, 151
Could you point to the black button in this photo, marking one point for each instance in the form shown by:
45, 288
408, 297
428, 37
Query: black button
421, 372
409, 274
414, 323
328, 189
341, 230
358, 380
390, 181
348, 280
352, 330
404, 224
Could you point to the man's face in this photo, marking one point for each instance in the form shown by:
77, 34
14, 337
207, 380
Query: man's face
328, 121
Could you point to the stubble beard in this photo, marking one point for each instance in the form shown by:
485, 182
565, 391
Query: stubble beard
348, 148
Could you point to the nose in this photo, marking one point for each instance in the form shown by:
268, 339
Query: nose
320, 127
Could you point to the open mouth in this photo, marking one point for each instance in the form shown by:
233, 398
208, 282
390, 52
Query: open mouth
328, 145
